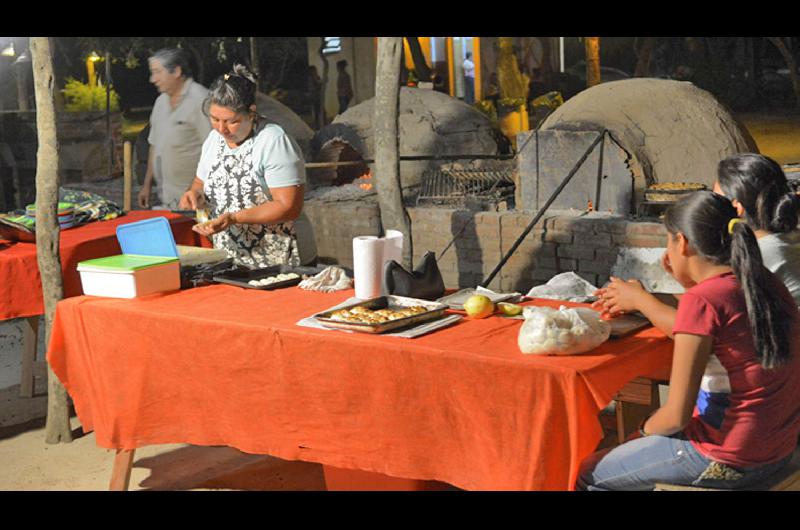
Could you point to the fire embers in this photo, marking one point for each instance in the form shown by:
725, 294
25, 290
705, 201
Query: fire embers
365, 181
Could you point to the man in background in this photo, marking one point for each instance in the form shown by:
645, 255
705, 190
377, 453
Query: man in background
469, 79
344, 87
178, 128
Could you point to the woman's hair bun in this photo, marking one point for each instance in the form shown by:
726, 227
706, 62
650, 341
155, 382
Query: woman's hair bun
243, 71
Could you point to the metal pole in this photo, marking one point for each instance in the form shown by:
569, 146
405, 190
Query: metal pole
542, 211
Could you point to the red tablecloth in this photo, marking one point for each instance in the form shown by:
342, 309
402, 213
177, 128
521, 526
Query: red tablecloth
20, 284
221, 365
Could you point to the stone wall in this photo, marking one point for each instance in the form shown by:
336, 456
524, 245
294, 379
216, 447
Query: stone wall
562, 241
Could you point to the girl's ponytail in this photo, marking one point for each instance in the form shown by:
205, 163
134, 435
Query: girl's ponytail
767, 313
710, 224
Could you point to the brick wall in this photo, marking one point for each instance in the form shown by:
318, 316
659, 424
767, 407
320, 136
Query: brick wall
562, 241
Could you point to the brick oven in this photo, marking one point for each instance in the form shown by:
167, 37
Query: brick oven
584, 227
471, 242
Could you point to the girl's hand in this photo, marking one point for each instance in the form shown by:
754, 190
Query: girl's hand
218, 224
620, 296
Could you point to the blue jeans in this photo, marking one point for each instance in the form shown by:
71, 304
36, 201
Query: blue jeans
639, 464
469, 90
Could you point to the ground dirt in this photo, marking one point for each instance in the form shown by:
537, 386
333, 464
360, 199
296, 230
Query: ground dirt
28, 463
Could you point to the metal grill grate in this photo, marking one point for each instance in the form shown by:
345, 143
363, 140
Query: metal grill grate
458, 186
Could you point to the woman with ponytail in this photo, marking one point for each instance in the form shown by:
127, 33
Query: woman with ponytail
735, 309
758, 189
251, 176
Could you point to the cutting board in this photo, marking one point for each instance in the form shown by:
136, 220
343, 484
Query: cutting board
623, 325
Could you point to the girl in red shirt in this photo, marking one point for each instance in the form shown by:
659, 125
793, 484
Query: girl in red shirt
738, 311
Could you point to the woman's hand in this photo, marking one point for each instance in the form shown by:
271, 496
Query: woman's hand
192, 199
218, 224
620, 296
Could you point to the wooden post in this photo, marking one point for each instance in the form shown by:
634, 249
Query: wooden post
121, 473
57, 428
387, 143
127, 175
30, 332
592, 61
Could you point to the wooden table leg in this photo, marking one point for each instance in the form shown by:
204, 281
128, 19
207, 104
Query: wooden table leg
635, 401
121, 475
30, 336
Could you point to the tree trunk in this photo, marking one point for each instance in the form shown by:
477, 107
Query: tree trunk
643, 55
57, 428
254, 62
592, 61
791, 63
387, 142
421, 68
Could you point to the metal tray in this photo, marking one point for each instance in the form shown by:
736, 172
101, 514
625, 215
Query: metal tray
434, 311
240, 277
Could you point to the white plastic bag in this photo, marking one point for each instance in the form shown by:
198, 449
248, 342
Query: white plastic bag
565, 331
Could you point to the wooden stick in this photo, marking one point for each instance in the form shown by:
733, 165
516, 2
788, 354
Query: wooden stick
121, 474
30, 335
127, 172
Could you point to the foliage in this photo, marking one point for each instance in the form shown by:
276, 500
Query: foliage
487, 107
80, 97
511, 104
211, 56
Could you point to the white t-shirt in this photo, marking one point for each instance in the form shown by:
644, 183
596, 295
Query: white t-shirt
177, 136
781, 255
469, 68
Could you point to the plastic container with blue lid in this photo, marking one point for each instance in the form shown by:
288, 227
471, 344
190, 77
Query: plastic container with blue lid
148, 264
150, 237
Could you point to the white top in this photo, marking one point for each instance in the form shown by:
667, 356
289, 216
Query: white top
177, 136
277, 159
469, 68
781, 255
278, 162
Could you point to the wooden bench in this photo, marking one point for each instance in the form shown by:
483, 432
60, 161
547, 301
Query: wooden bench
787, 479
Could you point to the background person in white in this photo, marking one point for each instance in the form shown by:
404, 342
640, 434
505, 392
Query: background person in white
252, 177
469, 79
178, 128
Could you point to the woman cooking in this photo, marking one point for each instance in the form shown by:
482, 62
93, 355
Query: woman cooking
251, 176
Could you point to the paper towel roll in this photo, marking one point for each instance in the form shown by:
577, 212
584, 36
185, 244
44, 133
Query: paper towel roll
393, 249
368, 260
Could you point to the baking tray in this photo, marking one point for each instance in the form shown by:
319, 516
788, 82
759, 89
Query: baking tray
434, 311
240, 277
456, 300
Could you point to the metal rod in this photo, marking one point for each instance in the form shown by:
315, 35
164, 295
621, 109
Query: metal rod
312, 165
599, 175
542, 211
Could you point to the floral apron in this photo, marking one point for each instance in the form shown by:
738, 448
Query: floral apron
232, 186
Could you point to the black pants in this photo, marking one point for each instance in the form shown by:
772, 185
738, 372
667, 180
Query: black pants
343, 103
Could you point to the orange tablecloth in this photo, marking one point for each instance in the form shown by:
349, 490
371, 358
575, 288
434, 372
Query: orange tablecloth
221, 365
20, 284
